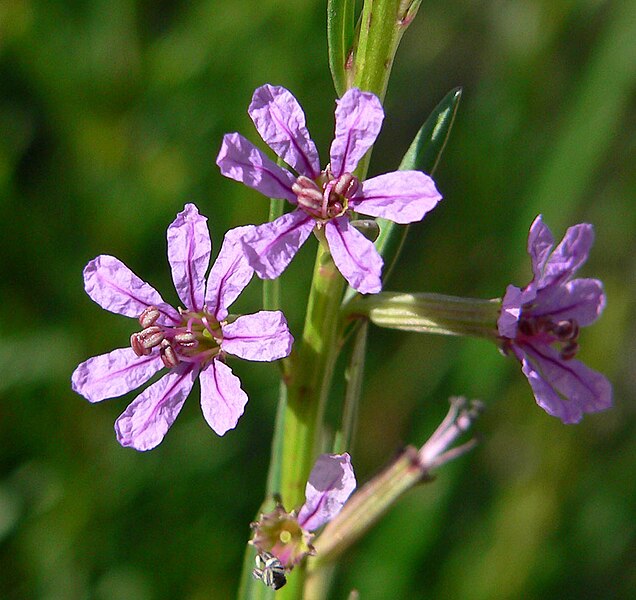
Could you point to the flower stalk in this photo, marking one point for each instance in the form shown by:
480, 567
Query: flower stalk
428, 313
366, 506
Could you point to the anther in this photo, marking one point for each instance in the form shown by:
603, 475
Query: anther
568, 352
168, 355
187, 339
136, 345
150, 337
566, 330
149, 316
527, 327
346, 185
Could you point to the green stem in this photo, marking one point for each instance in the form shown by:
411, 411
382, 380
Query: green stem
354, 375
271, 287
308, 379
383, 23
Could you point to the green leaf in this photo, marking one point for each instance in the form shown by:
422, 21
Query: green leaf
423, 154
427, 147
340, 36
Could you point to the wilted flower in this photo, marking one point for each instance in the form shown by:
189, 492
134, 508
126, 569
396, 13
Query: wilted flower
324, 199
540, 324
190, 342
287, 535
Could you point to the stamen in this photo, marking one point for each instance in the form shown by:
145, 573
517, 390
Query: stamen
566, 330
568, 352
137, 347
527, 327
187, 339
346, 185
151, 336
149, 316
168, 355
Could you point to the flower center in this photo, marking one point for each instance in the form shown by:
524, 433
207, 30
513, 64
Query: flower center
196, 339
326, 197
564, 333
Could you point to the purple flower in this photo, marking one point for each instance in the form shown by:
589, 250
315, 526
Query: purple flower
191, 342
540, 324
323, 199
287, 535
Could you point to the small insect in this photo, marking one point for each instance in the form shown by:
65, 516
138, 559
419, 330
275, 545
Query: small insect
269, 570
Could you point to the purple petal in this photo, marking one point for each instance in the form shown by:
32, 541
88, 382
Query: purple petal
111, 284
570, 254
355, 256
580, 299
270, 247
540, 244
114, 374
222, 399
359, 117
511, 307
281, 122
145, 422
189, 248
400, 196
564, 389
330, 484
240, 160
230, 273
263, 336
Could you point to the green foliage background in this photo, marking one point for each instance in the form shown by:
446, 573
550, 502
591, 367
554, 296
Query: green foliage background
111, 115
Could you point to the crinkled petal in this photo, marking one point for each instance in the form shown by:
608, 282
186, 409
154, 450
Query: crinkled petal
355, 256
230, 273
568, 256
263, 336
330, 484
270, 247
540, 244
189, 248
222, 399
111, 284
114, 374
564, 388
511, 307
580, 299
281, 122
359, 117
240, 160
145, 422
400, 196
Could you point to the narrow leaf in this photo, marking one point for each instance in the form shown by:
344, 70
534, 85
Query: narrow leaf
340, 36
423, 154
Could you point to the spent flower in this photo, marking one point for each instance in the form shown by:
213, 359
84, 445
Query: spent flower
190, 342
287, 536
540, 324
326, 199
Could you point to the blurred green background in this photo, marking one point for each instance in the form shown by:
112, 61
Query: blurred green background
111, 115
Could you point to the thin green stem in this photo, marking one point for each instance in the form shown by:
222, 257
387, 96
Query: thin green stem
309, 378
271, 287
354, 375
